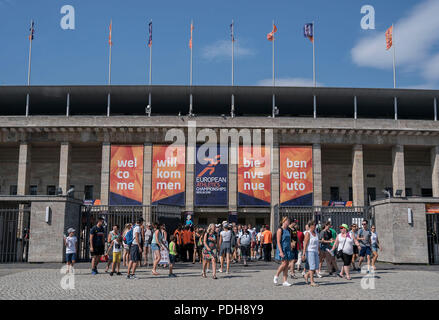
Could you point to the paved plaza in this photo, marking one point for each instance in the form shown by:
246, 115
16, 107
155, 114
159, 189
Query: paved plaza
43, 281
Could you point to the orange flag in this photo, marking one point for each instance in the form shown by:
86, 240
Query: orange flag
389, 38
270, 36
190, 41
109, 38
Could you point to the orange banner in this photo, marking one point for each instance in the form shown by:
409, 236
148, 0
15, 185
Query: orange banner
168, 175
254, 176
296, 184
432, 207
126, 175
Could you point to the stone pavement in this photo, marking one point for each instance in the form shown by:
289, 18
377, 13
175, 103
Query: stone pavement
43, 281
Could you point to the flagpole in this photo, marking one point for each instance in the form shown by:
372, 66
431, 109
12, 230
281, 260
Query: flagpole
314, 54
190, 98
232, 112
29, 66
394, 57
274, 81
150, 73
109, 68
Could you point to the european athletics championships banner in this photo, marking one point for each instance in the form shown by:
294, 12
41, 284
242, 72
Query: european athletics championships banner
296, 180
126, 175
168, 175
254, 176
211, 176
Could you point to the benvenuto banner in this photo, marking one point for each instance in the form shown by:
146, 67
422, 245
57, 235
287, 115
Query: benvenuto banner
254, 176
211, 176
296, 181
126, 175
168, 175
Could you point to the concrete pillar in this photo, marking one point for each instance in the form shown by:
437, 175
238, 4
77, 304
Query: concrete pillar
190, 169
317, 174
274, 185
105, 173
233, 178
147, 180
398, 172
435, 170
64, 166
24, 164
357, 176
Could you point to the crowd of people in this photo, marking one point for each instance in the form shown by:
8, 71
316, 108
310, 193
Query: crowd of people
219, 246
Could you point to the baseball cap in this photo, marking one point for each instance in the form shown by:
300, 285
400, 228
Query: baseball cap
69, 230
345, 226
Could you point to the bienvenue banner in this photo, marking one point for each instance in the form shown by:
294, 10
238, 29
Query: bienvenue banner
126, 175
168, 175
254, 176
211, 176
296, 180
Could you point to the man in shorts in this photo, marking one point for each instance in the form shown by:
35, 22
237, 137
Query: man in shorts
364, 236
97, 244
135, 249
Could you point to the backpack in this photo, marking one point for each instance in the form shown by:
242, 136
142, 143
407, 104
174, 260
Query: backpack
129, 237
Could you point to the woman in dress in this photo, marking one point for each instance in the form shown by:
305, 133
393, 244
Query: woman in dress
210, 250
283, 251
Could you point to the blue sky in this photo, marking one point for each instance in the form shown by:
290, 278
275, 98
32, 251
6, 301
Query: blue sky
347, 55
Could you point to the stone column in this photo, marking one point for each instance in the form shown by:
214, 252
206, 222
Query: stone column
64, 166
274, 185
147, 180
190, 169
105, 173
398, 172
435, 170
357, 176
233, 178
24, 164
317, 174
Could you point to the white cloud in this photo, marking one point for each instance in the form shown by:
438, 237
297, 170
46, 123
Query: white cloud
416, 35
223, 49
288, 82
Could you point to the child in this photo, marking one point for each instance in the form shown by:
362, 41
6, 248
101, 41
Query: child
71, 243
117, 254
172, 255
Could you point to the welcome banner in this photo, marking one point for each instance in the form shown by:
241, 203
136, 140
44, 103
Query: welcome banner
168, 175
254, 176
126, 175
296, 183
211, 176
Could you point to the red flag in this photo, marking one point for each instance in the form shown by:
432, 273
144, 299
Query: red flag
389, 38
190, 41
270, 36
109, 38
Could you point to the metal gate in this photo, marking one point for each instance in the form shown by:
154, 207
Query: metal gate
122, 215
14, 234
433, 237
337, 215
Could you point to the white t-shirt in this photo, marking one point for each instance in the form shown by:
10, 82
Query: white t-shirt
346, 244
227, 235
136, 230
117, 247
373, 238
71, 244
252, 233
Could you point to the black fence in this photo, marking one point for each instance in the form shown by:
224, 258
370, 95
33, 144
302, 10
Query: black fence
433, 237
14, 234
171, 216
336, 215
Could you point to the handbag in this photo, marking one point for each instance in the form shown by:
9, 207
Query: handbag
340, 252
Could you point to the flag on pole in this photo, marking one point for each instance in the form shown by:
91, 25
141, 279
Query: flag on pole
32, 31
231, 32
150, 34
109, 38
270, 36
308, 31
389, 38
190, 41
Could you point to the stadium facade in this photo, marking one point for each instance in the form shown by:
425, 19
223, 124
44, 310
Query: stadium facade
359, 142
